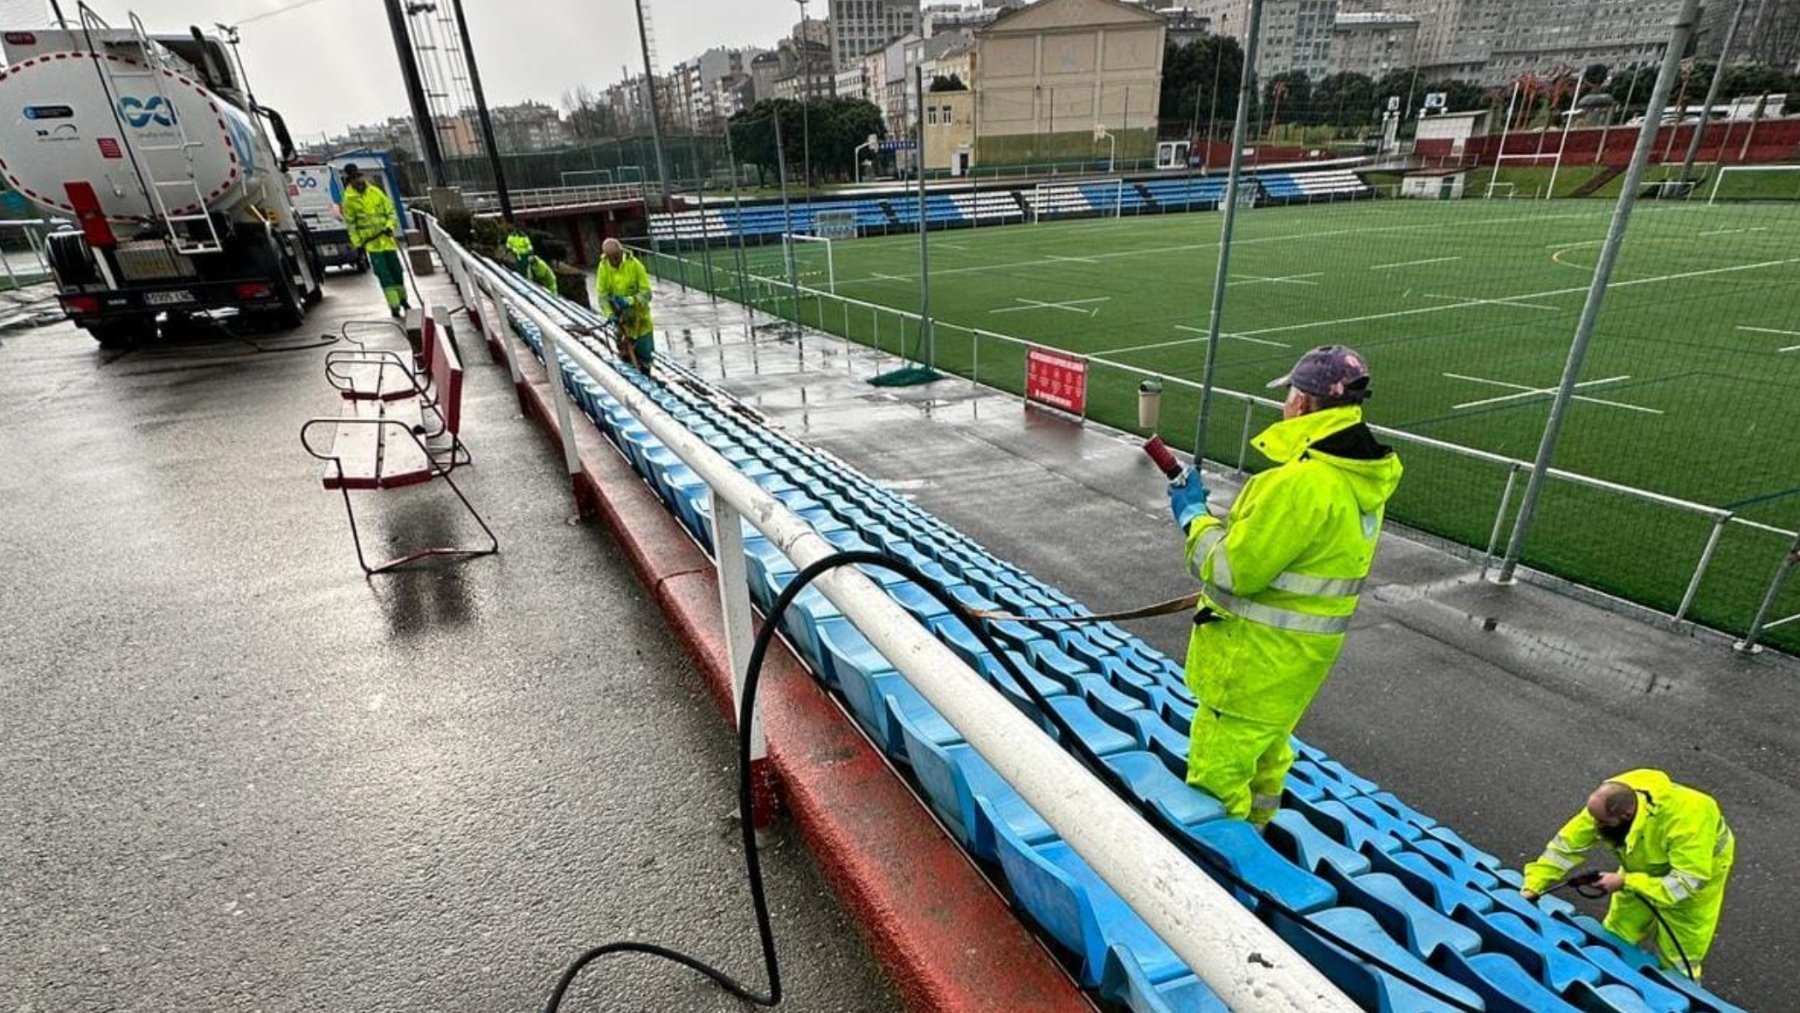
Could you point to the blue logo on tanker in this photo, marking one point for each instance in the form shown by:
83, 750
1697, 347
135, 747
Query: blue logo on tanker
48, 112
142, 112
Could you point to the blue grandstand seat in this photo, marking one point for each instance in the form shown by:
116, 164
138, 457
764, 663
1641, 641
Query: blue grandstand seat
1658, 997
1112, 706
1162, 741
1306, 846
1556, 966
1079, 910
1124, 982
1101, 737
1150, 780
1236, 845
958, 782
1372, 984
1445, 893
1405, 916
1503, 985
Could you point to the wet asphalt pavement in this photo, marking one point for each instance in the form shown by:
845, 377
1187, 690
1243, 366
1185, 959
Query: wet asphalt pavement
234, 775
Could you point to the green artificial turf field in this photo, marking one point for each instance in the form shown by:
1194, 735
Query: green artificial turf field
1465, 310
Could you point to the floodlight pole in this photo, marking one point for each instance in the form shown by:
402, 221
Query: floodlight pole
1590, 311
1712, 94
662, 167
1233, 180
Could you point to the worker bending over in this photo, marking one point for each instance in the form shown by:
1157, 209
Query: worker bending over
375, 229
1674, 853
624, 290
1280, 578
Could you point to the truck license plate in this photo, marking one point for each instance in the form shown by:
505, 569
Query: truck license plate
173, 297
330, 250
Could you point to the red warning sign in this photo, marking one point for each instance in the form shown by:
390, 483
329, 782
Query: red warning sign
1059, 381
109, 148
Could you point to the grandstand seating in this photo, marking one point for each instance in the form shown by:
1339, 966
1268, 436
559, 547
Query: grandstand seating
1435, 923
765, 220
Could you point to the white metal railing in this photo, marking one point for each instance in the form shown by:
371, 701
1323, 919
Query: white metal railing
1721, 518
1222, 942
30, 265
485, 201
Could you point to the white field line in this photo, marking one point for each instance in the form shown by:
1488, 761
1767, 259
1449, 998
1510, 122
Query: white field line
1525, 392
1257, 279
1492, 302
1414, 263
881, 277
1735, 232
1074, 260
1222, 334
1769, 330
1184, 247
1068, 306
1506, 301
1574, 245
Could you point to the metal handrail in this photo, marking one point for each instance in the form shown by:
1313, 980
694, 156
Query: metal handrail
1240, 958
557, 196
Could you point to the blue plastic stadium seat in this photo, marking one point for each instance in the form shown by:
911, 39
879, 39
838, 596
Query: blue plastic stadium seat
1541, 915
1101, 737
953, 776
1503, 985
1124, 982
1079, 911
843, 648
1238, 846
1112, 706
1558, 967
1150, 780
1445, 893
1164, 743
1306, 846
1658, 998
1405, 916
1373, 984
1348, 826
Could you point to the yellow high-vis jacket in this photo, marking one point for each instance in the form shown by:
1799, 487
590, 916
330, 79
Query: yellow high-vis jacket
631, 281
1284, 571
1674, 850
370, 216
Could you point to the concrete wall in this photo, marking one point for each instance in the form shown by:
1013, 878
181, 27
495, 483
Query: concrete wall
949, 126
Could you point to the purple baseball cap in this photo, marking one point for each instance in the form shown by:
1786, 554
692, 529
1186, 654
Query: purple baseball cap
1333, 373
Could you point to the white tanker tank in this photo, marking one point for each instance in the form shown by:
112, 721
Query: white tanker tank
152, 146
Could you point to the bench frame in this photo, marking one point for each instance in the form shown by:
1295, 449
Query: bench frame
443, 397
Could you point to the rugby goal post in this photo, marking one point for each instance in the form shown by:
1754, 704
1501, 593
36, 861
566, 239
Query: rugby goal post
1092, 198
1548, 160
1755, 182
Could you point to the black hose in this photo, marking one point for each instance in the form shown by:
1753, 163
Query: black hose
1170, 831
1583, 885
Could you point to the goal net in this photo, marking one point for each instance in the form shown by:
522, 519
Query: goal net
1101, 198
1522, 175
1755, 182
834, 224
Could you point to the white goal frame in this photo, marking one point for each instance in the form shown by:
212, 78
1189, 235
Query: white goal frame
1068, 201
1712, 196
790, 241
1551, 160
834, 223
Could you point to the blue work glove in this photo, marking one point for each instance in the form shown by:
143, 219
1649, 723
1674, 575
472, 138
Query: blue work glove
1187, 498
620, 304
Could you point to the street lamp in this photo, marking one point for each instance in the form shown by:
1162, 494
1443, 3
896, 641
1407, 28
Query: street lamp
806, 68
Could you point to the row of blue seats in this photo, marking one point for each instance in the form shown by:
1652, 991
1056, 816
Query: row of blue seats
1430, 895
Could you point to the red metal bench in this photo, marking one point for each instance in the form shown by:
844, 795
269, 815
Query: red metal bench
381, 440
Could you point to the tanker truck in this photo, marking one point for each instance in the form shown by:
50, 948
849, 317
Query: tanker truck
152, 148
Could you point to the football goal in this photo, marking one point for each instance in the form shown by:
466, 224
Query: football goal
1755, 182
1539, 175
1092, 198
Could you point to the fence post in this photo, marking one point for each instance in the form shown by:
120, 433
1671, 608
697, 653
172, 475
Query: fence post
1706, 555
1603, 268
1750, 645
734, 607
1243, 441
1487, 558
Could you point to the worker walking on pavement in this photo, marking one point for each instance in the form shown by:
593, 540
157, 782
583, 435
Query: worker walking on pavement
624, 290
1674, 853
1280, 578
375, 229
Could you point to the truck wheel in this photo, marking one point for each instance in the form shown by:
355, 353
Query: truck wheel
115, 334
292, 312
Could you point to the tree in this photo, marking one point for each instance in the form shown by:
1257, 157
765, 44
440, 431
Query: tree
838, 125
590, 119
1290, 90
1200, 83
1346, 99
952, 83
1594, 76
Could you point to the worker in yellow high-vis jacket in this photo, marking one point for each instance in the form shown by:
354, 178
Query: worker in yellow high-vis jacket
1280, 577
1674, 853
623, 286
375, 229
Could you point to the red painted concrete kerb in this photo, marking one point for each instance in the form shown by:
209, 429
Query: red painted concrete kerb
941, 934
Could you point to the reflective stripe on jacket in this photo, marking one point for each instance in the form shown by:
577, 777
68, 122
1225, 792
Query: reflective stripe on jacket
369, 215
1677, 845
630, 280
1284, 570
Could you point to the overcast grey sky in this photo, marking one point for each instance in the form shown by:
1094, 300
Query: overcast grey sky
331, 63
